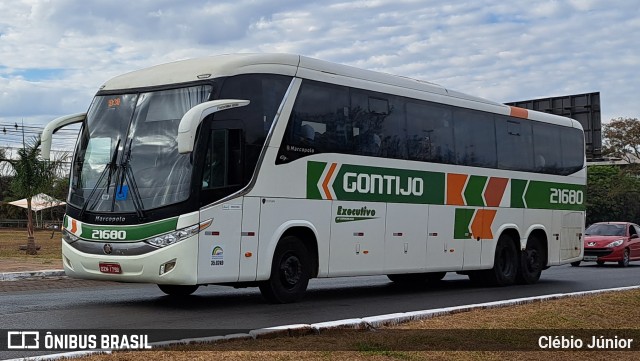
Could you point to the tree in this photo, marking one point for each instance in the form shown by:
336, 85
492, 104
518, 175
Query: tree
622, 139
31, 176
613, 194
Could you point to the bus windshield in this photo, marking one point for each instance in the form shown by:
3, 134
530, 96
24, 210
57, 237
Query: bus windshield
127, 150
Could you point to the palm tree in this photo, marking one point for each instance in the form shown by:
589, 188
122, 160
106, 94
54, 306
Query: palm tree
31, 176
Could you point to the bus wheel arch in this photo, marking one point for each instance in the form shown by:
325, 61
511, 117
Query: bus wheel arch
534, 258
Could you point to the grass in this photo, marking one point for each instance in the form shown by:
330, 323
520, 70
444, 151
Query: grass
12, 238
498, 331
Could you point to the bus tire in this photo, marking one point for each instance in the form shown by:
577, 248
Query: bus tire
575, 264
290, 272
178, 290
505, 263
532, 260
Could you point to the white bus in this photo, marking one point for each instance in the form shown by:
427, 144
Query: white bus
271, 169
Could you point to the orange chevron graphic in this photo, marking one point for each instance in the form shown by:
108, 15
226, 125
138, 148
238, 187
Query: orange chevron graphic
455, 186
325, 183
481, 225
74, 226
494, 191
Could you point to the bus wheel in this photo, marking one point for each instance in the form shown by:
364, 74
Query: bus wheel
532, 261
178, 290
505, 263
290, 272
575, 264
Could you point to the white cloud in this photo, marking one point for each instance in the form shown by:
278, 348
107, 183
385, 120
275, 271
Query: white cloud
55, 54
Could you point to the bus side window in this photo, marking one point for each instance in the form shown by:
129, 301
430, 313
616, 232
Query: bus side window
430, 132
321, 108
515, 144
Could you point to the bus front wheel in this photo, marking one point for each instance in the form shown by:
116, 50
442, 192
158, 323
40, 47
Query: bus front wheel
290, 272
178, 290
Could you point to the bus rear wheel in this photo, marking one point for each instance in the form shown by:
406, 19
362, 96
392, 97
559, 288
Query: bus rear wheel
290, 272
532, 261
505, 264
178, 290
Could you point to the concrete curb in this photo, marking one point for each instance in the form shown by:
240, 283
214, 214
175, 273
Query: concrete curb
371, 322
15, 276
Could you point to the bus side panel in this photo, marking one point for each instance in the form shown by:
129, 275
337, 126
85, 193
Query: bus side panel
405, 244
357, 238
277, 215
444, 251
570, 234
219, 244
249, 239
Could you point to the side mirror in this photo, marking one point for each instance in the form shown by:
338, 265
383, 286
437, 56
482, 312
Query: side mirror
52, 127
191, 120
634, 236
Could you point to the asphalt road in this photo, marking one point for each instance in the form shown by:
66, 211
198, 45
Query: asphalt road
218, 309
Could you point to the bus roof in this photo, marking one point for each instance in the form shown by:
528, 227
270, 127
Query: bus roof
184, 71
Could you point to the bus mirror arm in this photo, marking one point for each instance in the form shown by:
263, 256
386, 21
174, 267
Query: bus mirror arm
53, 126
192, 119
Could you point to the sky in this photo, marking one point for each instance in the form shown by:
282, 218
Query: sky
55, 54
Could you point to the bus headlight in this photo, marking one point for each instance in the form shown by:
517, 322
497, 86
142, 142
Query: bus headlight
170, 238
68, 236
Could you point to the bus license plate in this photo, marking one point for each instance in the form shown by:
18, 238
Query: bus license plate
112, 268
590, 258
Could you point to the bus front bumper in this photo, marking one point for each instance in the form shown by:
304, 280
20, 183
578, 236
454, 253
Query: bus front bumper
180, 258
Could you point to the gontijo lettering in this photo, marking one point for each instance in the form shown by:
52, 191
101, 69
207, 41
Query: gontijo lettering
382, 184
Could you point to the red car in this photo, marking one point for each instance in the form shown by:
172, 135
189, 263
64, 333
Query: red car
611, 242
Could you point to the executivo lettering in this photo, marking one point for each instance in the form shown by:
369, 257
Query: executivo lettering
354, 214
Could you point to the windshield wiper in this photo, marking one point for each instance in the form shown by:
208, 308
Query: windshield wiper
127, 173
110, 167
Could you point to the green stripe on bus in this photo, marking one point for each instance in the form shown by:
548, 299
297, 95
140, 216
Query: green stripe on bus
463, 219
133, 233
473, 191
547, 195
314, 172
376, 184
517, 190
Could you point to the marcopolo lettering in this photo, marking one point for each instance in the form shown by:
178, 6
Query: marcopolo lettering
382, 184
